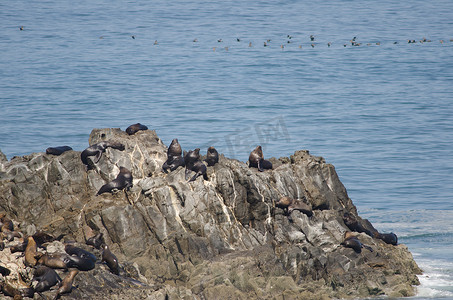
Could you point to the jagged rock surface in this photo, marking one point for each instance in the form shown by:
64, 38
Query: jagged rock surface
221, 238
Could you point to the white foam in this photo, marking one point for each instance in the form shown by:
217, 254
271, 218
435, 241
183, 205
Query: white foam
436, 280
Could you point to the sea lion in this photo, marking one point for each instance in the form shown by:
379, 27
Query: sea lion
174, 158
110, 259
290, 204
193, 163
97, 149
122, 181
363, 225
389, 238
54, 261
65, 286
96, 241
174, 148
6, 224
19, 247
212, 156
200, 169
17, 293
134, 128
57, 150
79, 258
351, 241
41, 237
359, 225
31, 252
256, 160
46, 277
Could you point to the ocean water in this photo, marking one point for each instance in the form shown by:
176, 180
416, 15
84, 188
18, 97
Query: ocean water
380, 112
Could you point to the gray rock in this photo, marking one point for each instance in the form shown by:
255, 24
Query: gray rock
204, 239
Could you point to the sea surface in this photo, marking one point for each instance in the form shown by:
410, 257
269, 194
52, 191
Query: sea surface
381, 110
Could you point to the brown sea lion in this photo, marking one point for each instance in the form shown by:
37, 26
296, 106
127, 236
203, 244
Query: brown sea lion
256, 160
110, 259
6, 224
174, 158
57, 150
193, 163
122, 181
65, 286
174, 148
363, 225
290, 204
41, 237
54, 261
17, 293
359, 225
352, 241
96, 150
212, 156
31, 253
134, 128
46, 277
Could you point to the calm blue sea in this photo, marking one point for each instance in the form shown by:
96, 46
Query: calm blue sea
381, 111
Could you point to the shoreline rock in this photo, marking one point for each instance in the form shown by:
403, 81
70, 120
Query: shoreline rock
207, 239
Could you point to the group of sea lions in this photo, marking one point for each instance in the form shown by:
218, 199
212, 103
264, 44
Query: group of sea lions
191, 160
124, 179
350, 239
74, 259
45, 264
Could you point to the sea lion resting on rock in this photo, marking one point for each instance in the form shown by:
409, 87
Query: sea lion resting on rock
57, 150
31, 253
110, 259
79, 258
212, 156
65, 286
122, 181
18, 293
96, 241
54, 261
6, 223
41, 237
46, 277
365, 226
134, 128
174, 158
193, 163
97, 149
290, 204
351, 241
19, 247
256, 160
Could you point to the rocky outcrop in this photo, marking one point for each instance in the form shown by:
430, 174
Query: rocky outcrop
214, 239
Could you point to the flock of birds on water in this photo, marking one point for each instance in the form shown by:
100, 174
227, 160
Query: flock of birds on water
312, 42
